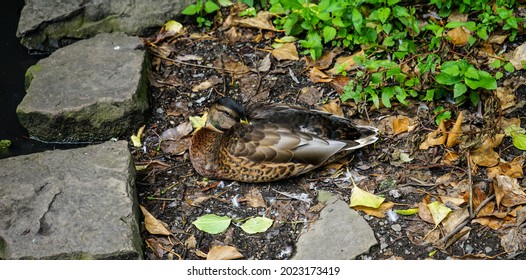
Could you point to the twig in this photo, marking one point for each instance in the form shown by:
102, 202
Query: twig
470, 184
444, 239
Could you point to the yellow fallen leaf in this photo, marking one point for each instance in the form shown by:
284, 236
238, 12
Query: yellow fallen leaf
136, 138
198, 122
376, 212
286, 51
153, 225
360, 197
453, 137
223, 253
400, 124
439, 211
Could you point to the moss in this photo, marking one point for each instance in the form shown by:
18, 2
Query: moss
30, 74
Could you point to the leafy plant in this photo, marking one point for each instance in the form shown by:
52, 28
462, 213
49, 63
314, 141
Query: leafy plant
202, 8
460, 75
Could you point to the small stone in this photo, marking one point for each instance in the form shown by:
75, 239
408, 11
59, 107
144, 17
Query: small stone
488, 249
395, 193
159, 111
469, 249
396, 227
367, 217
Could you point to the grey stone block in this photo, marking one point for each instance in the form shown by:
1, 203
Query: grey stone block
70, 204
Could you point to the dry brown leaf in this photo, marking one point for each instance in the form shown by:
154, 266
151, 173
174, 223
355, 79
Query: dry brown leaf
518, 56
492, 222
286, 51
450, 157
223, 253
376, 212
233, 35
506, 97
454, 219
514, 240
159, 245
346, 63
178, 147
263, 20
324, 61
400, 124
508, 192
264, 64
190, 242
512, 169
448, 200
310, 95
497, 39
333, 107
339, 82
424, 213
200, 253
231, 66
254, 198
485, 155
153, 225
459, 36
317, 76
453, 137
210, 82
435, 138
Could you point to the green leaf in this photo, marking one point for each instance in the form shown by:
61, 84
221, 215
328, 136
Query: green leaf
472, 73
191, 10
360, 197
211, 7
407, 212
446, 79
256, 225
387, 94
496, 63
329, 33
459, 89
474, 97
446, 115
450, 69
514, 128
519, 140
485, 81
212, 223
357, 20
509, 67
383, 14
482, 33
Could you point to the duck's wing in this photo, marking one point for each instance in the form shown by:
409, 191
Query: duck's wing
280, 143
322, 124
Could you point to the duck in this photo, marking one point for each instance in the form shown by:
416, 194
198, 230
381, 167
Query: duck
271, 142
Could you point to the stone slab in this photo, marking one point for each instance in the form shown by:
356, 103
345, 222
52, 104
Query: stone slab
48, 25
95, 89
70, 204
339, 234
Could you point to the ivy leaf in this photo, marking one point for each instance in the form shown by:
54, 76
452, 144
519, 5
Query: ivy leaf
329, 33
256, 225
211, 7
212, 223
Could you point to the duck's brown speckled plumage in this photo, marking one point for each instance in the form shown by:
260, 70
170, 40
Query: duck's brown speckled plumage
279, 142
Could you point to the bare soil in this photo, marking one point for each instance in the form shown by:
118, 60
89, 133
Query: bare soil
172, 191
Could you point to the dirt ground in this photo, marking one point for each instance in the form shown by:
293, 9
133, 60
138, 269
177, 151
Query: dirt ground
172, 191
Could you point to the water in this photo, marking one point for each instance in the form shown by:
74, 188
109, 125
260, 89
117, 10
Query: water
14, 61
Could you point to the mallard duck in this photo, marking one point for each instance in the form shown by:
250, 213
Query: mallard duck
272, 142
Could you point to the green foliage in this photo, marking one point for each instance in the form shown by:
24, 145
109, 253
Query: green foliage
441, 114
200, 9
345, 23
459, 75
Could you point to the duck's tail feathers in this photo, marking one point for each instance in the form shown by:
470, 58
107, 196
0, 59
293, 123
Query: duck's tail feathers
369, 136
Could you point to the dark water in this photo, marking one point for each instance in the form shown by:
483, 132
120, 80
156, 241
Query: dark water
14, 61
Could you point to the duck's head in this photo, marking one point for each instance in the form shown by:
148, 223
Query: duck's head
224, 114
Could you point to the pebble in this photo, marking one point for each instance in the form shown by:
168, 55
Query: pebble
159, 111
395, 193
367, 217
469, 249
488, 249
396, 227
